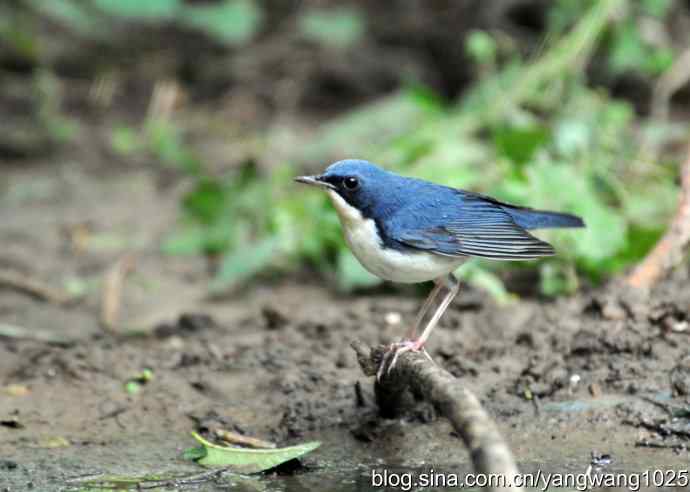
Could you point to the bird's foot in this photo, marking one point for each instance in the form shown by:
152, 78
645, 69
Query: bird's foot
394, 351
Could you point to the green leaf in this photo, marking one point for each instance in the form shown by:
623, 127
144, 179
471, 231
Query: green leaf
166, 142
639, 242
206, 202
560, 187
134, 384
475, 274
341, 27
656, 8
149, 10
659, 60
244, 262
68, 13
426, 98
125, 140
132, 387
245, 460
572, 136
557, 278
520, 144
231, 21
193, 454
628, 51
186, 241
481, 46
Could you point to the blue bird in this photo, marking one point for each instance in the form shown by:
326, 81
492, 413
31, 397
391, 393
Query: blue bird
408, 230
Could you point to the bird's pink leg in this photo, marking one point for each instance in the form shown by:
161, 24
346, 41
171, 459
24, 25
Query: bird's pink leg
452, 286
412, 332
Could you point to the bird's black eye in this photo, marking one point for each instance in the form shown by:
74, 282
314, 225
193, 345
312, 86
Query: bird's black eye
351, 183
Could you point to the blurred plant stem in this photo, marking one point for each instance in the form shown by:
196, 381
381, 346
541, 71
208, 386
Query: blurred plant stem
491, 100
672, 248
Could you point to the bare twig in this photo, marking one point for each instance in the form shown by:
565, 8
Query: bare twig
671, 248
488, 450
21, 333
143, 483
33, 287
166, 95
194, 479
113, 283
668, 84
235, 438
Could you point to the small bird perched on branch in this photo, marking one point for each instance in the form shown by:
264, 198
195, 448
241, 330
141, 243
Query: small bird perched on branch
408, 230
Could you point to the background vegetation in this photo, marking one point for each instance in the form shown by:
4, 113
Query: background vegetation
563, 105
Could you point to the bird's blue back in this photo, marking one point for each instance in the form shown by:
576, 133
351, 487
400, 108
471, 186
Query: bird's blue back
412, 213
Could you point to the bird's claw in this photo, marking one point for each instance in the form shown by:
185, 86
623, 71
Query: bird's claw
394, 351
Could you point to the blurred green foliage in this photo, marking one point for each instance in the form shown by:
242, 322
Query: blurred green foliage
529, 131
227, 21
340, 28
159, 139
630, 43
230, 22
47, 96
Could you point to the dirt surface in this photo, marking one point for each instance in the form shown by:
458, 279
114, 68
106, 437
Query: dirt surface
602, 373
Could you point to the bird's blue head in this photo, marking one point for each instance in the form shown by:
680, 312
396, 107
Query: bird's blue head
361, 185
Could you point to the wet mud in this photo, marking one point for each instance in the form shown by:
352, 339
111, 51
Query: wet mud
604, 372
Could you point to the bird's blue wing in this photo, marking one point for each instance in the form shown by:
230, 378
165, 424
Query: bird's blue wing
475, 227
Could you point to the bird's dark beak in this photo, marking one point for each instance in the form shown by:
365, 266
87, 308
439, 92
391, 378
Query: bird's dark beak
315, 181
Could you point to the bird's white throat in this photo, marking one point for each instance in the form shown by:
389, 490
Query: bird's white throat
363, 238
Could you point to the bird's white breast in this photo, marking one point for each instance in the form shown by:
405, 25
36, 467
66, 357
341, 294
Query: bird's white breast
363, 238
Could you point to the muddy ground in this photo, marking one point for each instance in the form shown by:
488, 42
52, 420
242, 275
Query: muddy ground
564, 379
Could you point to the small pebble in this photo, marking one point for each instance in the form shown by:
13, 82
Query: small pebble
175, 343
613, 311
595, 390
680, 326
392, 318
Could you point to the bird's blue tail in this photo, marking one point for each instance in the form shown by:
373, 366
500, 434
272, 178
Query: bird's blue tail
528, 218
